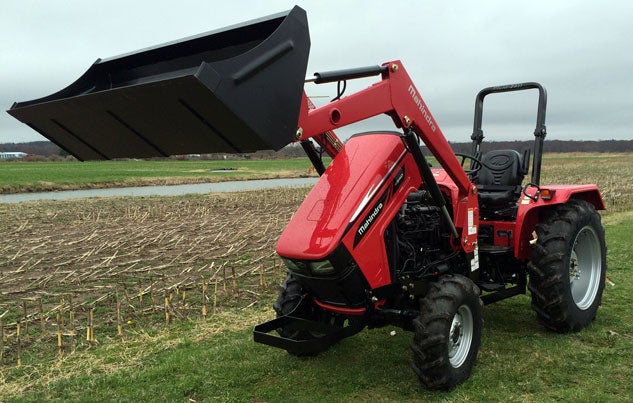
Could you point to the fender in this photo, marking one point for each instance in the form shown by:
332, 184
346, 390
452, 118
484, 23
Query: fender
529, 210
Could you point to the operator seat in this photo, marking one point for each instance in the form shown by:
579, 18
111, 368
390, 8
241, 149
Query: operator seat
499, 181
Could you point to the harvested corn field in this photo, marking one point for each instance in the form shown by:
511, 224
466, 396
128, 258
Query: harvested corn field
613, 173
104, 265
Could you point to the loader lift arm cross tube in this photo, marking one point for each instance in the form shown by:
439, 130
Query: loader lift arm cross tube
396, 96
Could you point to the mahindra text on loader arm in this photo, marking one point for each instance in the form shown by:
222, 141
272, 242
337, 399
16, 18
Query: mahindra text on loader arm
382, 238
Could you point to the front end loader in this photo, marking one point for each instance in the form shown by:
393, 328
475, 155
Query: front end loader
383, 238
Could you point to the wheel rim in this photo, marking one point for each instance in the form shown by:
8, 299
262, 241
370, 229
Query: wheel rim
460, 336
585, 267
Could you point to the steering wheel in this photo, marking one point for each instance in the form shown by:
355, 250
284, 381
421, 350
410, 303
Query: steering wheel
476, 167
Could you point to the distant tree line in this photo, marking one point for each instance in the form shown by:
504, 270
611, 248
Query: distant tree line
48, 150
553, 146
41, 148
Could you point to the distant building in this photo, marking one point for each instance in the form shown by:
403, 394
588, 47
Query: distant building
17, 154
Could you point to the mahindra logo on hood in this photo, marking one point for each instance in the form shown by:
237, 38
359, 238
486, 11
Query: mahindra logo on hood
370, 218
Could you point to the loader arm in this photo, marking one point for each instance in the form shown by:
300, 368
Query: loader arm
328, 140
396, 96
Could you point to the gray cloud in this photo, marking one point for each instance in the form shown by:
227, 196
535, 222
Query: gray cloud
579, 51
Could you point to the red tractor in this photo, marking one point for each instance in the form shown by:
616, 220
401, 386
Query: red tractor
383, 238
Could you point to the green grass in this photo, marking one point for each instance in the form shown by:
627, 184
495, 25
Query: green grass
217, 360
38, 176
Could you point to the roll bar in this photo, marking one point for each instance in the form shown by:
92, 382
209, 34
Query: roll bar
539, 132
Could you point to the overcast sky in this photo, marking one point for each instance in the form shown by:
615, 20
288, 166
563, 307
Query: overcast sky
581, 51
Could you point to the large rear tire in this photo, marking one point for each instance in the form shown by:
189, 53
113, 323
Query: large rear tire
447, 334
568, 267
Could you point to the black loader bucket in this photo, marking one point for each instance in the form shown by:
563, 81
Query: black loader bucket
237, 89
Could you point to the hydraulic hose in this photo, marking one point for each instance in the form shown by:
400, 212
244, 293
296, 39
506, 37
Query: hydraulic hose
410, 140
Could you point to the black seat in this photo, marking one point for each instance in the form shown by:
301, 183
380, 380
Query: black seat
499, 180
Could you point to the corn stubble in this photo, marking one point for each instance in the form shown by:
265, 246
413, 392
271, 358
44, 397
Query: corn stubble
99, 267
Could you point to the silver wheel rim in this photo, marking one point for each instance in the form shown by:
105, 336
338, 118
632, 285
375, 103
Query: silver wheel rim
585, 267
460, 336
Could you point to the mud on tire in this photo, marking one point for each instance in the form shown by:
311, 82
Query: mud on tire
447, 334
568, 266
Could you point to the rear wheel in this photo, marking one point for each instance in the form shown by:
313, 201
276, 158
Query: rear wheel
447, 333
568, 267
294, 299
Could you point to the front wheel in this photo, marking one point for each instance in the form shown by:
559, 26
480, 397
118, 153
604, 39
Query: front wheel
295, 300
447, 333
568, 267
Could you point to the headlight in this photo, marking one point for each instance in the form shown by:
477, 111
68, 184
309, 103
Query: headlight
318, 268
295, 265
323, 267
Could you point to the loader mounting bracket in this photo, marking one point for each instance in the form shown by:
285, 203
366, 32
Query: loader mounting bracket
325, 334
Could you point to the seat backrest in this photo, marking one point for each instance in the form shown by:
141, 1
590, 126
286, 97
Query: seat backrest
501, 168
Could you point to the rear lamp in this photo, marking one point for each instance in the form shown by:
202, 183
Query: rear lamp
547, 194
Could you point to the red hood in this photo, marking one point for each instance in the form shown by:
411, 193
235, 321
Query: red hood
345, 188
